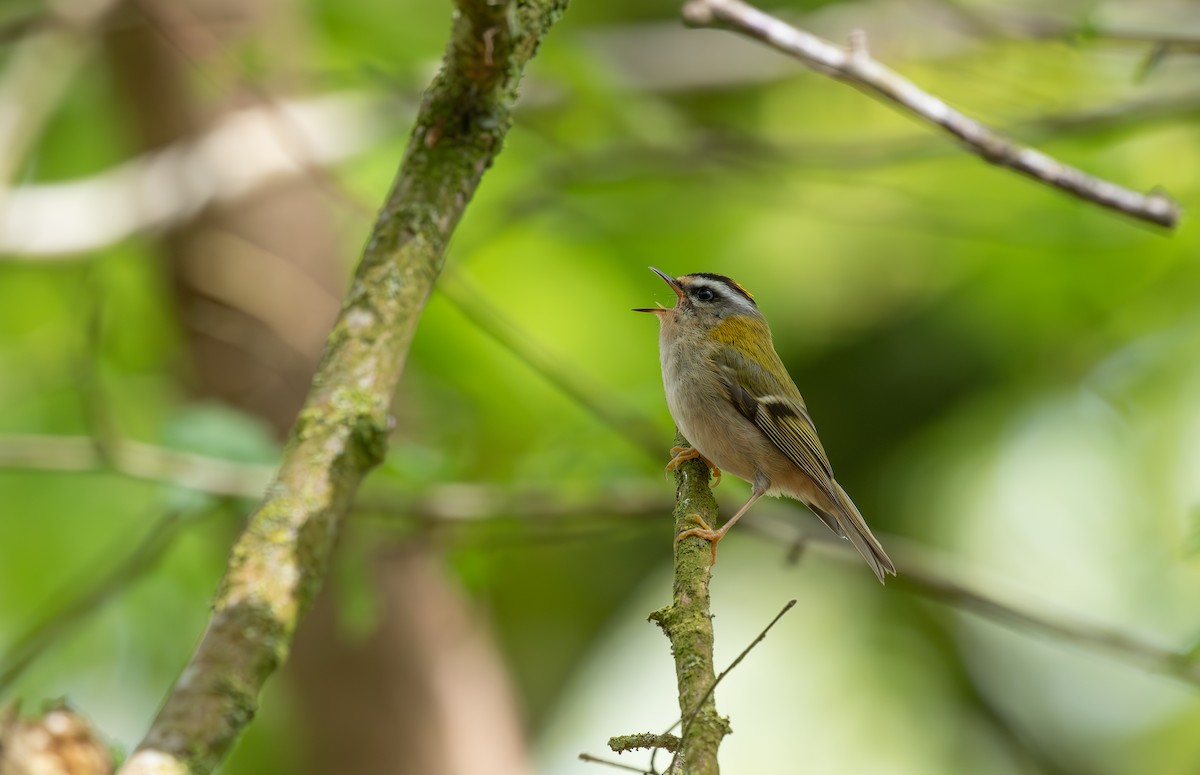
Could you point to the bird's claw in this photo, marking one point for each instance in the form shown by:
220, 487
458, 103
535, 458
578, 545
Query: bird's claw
683, 454
703, 531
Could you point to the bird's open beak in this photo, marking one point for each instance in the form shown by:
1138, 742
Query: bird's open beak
675, 286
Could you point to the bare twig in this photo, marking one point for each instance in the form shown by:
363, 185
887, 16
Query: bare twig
688, 718
737, 661
856, 67
280, 560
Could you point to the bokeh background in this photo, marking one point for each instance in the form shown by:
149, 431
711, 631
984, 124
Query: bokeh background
1006, 380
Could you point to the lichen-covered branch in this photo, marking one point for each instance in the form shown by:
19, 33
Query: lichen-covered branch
687, 622
280, 559
857, 67
623, 743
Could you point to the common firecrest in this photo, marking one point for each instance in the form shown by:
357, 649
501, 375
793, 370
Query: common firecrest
733, 400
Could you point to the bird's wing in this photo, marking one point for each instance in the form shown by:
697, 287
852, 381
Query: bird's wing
774, 406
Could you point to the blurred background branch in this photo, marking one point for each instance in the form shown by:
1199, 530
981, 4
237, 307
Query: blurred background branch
137, 460
241, 155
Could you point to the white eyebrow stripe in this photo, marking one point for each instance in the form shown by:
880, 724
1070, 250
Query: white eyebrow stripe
722, 290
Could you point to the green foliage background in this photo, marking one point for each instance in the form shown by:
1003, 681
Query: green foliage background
1001, 374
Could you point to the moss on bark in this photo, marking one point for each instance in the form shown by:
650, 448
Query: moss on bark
687, 622
280, 560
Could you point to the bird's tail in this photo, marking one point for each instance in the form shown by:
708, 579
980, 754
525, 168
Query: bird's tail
851, 525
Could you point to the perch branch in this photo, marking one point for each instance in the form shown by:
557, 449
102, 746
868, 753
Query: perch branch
280, 560
856, 66
687, 622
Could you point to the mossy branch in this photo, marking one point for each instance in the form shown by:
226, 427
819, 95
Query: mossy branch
280, 560
624, 743
687, 622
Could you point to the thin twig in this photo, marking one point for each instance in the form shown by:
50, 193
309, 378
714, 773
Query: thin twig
690, 717
856, 67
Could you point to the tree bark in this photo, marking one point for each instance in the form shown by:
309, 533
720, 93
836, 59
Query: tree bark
281, 558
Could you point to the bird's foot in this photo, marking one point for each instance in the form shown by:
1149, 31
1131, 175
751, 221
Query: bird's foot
684, 454
705, 532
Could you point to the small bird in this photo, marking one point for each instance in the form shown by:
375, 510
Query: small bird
734, 401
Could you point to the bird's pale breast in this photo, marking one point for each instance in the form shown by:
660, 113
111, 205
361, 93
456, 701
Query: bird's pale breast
700, 406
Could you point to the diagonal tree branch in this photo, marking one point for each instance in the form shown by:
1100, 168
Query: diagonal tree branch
280, 560
856, 67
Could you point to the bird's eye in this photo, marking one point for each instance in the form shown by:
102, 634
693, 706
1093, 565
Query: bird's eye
705, 294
